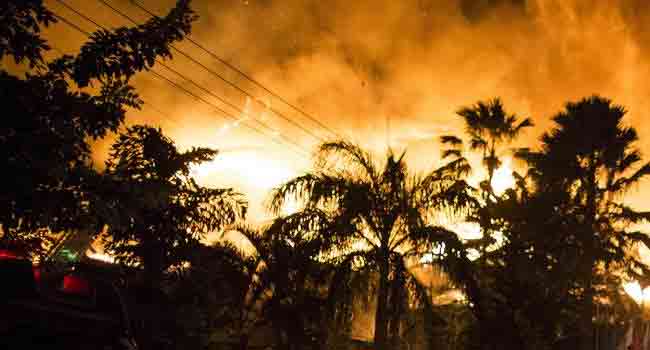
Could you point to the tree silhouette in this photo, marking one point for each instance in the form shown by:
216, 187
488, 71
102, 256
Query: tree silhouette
566, 243
526, 280
376, 218
21, 26
589, 161
218, 295
274, 289
155, 212
292, 280
489, 127
44, 141
490, 130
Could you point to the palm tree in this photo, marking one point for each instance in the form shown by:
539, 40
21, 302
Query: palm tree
591, 158
489, 130
275, 285
375, 218
489, 127
287, 284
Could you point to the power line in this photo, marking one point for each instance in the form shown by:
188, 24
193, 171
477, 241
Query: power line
233, 85
199, 98
222, 100
245, 75
300, 149
187, 79
170, 118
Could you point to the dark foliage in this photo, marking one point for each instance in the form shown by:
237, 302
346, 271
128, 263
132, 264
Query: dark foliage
154, 210
50, 119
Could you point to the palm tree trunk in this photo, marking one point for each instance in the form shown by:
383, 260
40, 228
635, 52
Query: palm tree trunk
587, 338
397, 307
381, 316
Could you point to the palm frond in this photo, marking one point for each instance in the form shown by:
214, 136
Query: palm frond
627, 161
624, 183
478, 143
625, 214
255, 237
451, 140
297, 188
526, 123
351, 152
451, 153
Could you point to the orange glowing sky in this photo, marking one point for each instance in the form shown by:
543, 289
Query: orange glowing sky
383, 72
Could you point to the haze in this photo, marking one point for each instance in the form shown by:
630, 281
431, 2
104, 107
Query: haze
383, 72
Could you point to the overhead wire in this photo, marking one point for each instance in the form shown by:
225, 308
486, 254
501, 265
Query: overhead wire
144, 102
245, 75
222, 78
200, 99
273, 137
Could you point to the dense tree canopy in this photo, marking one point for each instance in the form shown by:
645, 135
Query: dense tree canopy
589, 161
566, 243
154, 210
58, 106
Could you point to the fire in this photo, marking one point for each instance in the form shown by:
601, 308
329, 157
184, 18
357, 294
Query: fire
100, 256
503, 179
633, 289
291, 206
253, 168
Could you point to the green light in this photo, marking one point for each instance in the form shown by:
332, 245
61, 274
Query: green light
68, 255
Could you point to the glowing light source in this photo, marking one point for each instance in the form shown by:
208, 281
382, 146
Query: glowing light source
76, 285
633, 289
6, 254
503, 179
291, 206
255, 169
100, 257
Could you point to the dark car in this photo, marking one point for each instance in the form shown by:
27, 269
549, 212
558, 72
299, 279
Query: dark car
54, 309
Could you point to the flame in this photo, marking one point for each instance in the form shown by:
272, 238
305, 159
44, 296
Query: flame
254, 168
291, 206
633, 289
503, 179
100, 257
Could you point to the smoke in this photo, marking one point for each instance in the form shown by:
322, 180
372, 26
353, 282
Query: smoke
387, 72
415, 62
394, 72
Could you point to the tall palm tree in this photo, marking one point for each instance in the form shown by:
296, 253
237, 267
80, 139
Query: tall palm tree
591, 157
489, 131
375, 218
489, 127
